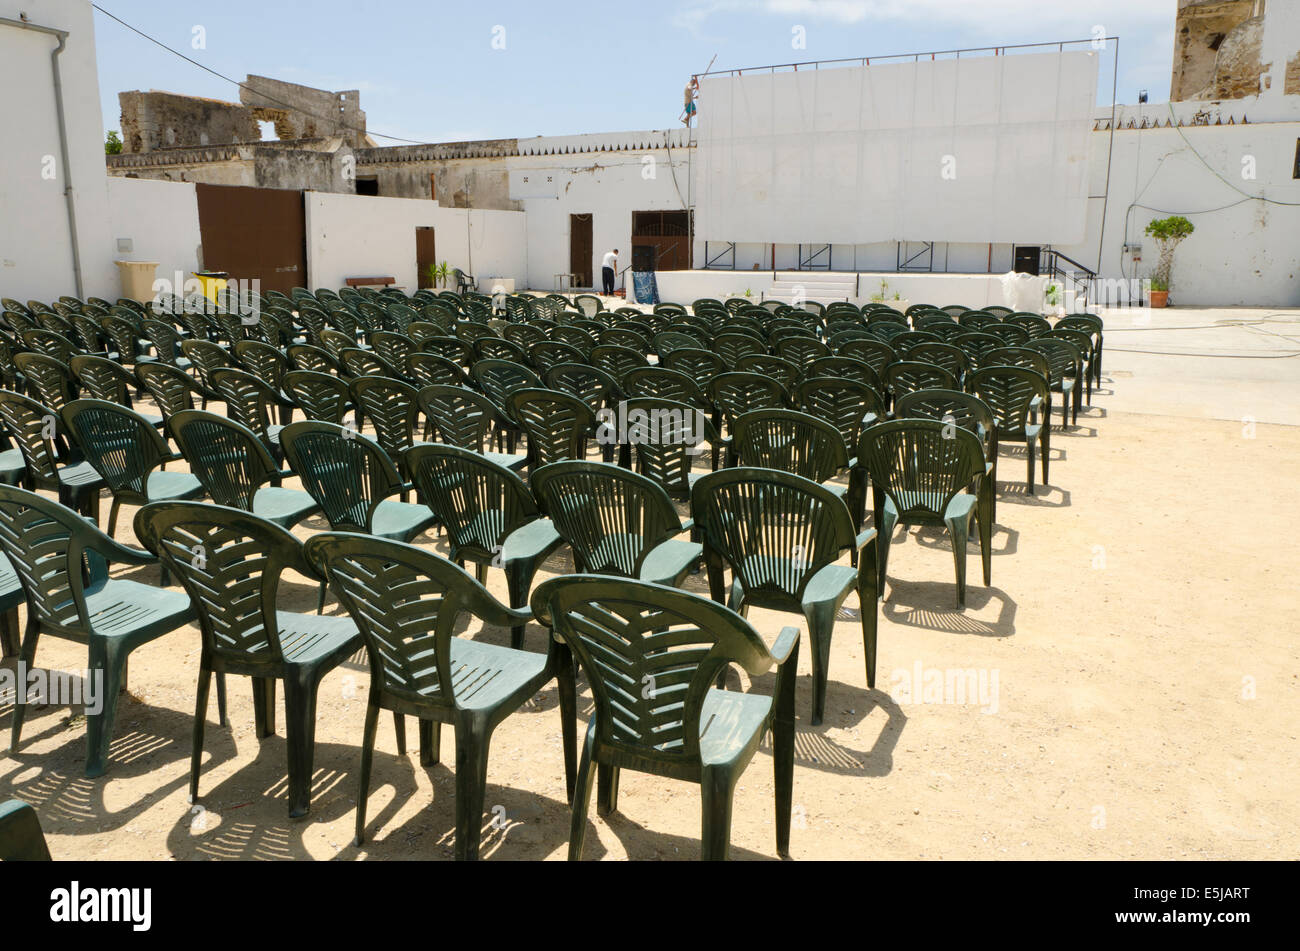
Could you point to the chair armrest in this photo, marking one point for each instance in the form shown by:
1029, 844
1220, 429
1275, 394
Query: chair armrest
688, 524
115, 552
863, 540
785, 643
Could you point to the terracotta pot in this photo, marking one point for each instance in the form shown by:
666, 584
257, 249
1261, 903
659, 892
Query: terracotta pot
1159, 298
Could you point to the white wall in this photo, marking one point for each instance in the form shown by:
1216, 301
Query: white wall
363, 236
1244, 252
35, 243
162, 221
607, 185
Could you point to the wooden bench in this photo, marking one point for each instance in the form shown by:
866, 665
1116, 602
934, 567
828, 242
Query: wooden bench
370, 281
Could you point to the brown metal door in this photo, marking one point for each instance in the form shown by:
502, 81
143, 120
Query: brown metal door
426, 254
254, 234
580, 253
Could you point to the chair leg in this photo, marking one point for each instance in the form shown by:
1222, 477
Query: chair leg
1047, 451
519, 579
26, 655
821, 625
109, 656
984, 516
430, 742
112, 524
606, 790
200, 715
783, 748
263, 706
9, 641
222, 718
472, 740
300, 727
399, 729
868, 595
717, 788
581, 801
320, 605
959, 529
1030, 446
568, 690
367, 759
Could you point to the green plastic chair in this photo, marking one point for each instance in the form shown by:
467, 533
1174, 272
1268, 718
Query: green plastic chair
129, 455
351, 479
206, 357
665, 436
392, 408
407, 603
782, 536
429, 369
304, 356
791, 441
782, 371
847, 404
105, 379
651, 655
251, 401
1013, 393
490, 515
236, 470
37, 429
960, 409
466, 419
50, 381
616, 522
230, 563
62, 562
557, 424
618, 361
1064, 372
320, 396
920, 472
908, 376
21, 838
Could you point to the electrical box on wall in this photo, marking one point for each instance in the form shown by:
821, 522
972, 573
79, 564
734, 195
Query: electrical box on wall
125, 246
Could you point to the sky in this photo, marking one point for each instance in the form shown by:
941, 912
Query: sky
442, 72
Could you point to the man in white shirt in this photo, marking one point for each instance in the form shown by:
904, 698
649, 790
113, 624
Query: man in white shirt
608, 267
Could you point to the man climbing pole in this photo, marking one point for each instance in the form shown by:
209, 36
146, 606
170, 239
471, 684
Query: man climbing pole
692, 90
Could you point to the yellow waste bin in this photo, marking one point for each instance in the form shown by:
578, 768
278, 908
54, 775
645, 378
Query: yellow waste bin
214, 282
137, 279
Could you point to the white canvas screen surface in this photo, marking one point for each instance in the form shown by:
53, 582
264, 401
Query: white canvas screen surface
979, 149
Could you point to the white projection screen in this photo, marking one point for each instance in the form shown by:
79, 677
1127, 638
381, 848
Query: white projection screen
978, 149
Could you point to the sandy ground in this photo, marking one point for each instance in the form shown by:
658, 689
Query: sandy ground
1137, 651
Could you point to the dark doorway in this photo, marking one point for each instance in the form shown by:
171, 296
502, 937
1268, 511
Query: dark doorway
662, 239
254, 234
426, 255
1027, 260
368, 186
580, 250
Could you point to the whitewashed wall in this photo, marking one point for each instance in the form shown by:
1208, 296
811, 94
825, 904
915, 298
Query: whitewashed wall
35, 244
1243, 252
161, 219
607, 185
362, 236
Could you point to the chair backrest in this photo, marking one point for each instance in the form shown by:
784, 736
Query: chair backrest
391, 407
320, 396
549, 353
590, 384
1063, 358
611, 518
783, 371
557, 423
627, 634
462, 417
120, 444
790, 441
407, 603
876, 353
58, 557
700, 365
51, 343
172, 389
33, 427
775, 529
429, 369
480, 503
907, 376
961, 409
662, 383
263, 361
735, 394
499, 378
844, 403
206, 357
304, 356
50, 379
104, 379
667, 437
1009, 391
248, 399
921, 464
225, 456
618, 361
230, 563
345, 473
1017, 357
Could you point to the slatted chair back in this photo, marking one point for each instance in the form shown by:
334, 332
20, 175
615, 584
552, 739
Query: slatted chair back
790, 441
225, 456
347, 474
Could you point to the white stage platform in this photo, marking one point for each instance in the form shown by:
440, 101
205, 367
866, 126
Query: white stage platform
971, 290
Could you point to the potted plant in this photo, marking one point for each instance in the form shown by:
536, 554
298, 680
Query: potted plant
442, 273
1168, 234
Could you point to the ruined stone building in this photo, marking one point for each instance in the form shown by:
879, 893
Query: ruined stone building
1220, 51
171, 137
